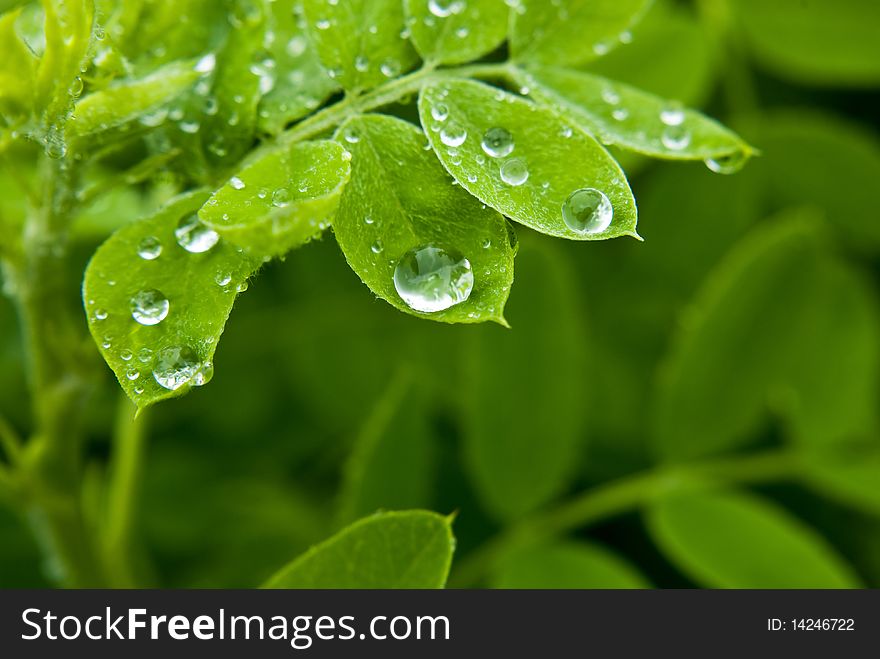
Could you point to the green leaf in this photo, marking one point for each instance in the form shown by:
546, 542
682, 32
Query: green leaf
359, 41
778, 297
456, 31
411, 549
399, 199
524, 393
68, 31
632, 119
849, 476
391, 464
570, 32
17, 70
565, 565
821, 159
556, 158
200, 289
300, 83
734, 540
825, 43
282, 199
129, 100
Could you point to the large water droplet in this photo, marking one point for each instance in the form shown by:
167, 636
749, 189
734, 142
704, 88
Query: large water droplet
587, 211
194, 236
497, 142
149, 248
431, 279
515, 172
149, 307
453, 134
175, 366
728, 164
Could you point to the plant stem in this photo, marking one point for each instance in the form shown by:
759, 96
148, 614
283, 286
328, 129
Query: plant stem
623, 496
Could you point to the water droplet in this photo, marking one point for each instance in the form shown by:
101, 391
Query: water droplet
203, 375
444, 8
587, 211
175, 367
361, 63
727, 164
194, 236
139, 390
297, 46
620, 114
376, 247
390, 68
497, 142
76, 87
236, 183
453, 134
125, 355
676, 137
350, 135
514, 171
440, 112
132, 374
368, 219
145, 355
149, 307
610, 96
100, 314
672, 114
431, 279
223, 278
281, 197
206, 64
189, 127
149, 248
322, 24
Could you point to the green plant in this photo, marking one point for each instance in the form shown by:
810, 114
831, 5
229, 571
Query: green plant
423, 134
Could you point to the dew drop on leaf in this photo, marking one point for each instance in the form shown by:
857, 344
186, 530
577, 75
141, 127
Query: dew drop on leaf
587, 211
729, 164
676, 137
672, 115
194, 236
514, 172
149, 248
453, 134
175, 367
431, 279
497, 142
149, 307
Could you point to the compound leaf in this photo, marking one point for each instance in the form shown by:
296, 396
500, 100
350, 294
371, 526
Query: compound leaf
399, 199
181, 297
730, 539
632, 119
282, 199
359, 41
410, 549
566, 564
524, 161
456, 31
570, 32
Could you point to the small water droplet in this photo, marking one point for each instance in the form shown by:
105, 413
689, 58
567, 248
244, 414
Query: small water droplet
175, 367
145, 355
149, 248
149, 307
194, 236
390, 68
610, 96
376, 247
431, 279
350, 135
207, 63
100, 314
676, 137
453, 134
672, 114
497, 142
125, 355
132, 374
203, 374
281, 197
236, 183
444, 8
440, 112
727, 164
620, 114
587, 211
361, 63
514, 172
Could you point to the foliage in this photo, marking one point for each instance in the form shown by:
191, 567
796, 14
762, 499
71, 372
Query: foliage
169, 157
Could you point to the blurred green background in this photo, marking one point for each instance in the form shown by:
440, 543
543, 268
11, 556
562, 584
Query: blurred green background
741, 336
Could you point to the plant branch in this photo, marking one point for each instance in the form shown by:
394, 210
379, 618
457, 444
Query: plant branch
623, 496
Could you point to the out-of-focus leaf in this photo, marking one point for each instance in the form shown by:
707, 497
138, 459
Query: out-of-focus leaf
524, 161
525, 394
566, 564
776, 299
632, 119
156, 308
734, 540
411, 549
282, 199
570, 32
815, 42
671, 55
400, 201
849, 476
18, 69
359, 41
819, 159
68, 32
390, 467
299, 82
130, 100
452, 31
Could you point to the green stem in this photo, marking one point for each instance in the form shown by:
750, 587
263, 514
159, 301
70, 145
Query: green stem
623, 496
9, 440
125, 477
